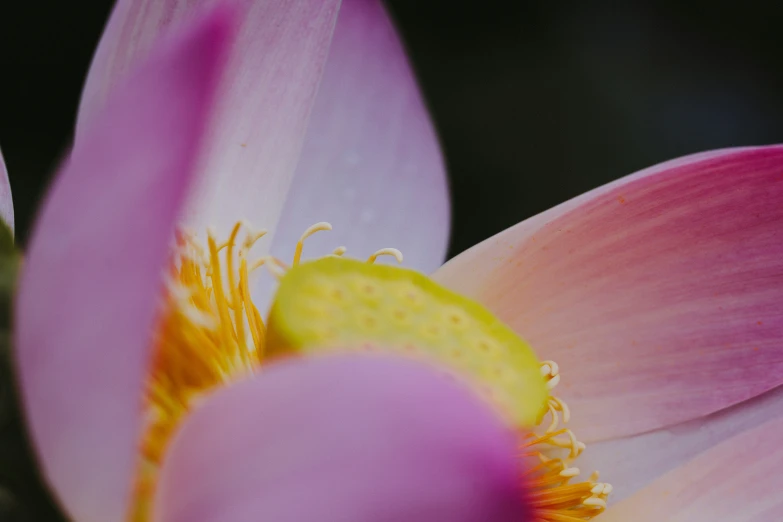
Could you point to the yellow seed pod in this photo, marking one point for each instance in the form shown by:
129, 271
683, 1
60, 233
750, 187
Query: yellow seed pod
336, 304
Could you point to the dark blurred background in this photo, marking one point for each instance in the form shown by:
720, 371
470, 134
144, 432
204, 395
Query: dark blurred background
535, 101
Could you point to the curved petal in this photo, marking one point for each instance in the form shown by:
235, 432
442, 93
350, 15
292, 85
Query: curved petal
263, 105
346, 439
6, 201
630, 463
88, 291
371, 163
738, 480
661, 296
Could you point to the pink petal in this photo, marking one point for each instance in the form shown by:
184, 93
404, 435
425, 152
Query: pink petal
348, 439
88, 293
264, 103
739, 480
631, 463
371, 163
661, 295
6, 201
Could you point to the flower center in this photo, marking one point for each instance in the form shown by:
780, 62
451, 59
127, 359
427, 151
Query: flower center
210, 334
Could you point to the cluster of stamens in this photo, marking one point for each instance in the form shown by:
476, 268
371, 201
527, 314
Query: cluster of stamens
548, 482
210, 334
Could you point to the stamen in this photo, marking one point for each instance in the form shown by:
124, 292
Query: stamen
252, 236
220, 297
396, 254
318, 227
562, 407
555, 418
256, 324
275, 267
339, 251
201, 342
254, 320
257, 264
236, 297
549, 368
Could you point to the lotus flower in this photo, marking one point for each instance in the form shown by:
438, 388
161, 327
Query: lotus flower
89, 297
659, 295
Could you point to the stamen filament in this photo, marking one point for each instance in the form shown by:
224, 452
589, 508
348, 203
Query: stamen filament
236, 299
318, 227
220, 298
274, 266
396, 254
257, 330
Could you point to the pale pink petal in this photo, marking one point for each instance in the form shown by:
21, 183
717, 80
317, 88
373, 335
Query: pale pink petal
660, 296
631, 463
343, 439
739, 480
93, 270
6, 201
371, 163
263, 106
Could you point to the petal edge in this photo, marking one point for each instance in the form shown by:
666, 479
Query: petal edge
88, 290
6, 200
371, 162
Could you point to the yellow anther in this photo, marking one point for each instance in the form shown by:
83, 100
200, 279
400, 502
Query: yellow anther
595, 502
318, 227
551, 367
194, 248
396, 254
339, 251
252, 236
